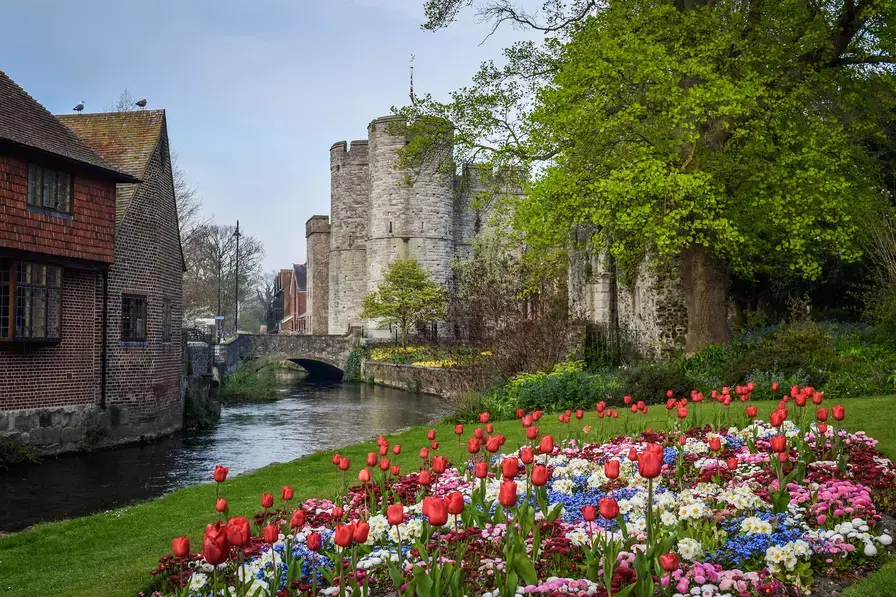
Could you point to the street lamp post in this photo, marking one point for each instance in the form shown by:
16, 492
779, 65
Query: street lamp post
236, 293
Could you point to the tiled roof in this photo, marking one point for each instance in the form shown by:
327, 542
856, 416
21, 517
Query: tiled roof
24, 122
124, 139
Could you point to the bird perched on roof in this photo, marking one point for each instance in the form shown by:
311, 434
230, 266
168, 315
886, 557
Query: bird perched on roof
141, 103
79, 108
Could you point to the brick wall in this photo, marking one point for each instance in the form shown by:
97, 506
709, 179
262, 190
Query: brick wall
66, 373
89, 233
144, 378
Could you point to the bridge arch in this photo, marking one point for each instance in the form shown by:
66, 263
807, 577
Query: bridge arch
321, 356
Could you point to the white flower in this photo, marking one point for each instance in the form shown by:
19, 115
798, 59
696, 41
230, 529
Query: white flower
885, 539
690, 549
870, 550
197, 581
755, 526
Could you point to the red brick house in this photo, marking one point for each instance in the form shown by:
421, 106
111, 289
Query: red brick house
90, 277
290, 293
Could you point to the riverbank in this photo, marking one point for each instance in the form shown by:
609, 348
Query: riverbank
111, 553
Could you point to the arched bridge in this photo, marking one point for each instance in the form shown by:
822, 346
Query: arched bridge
323, 356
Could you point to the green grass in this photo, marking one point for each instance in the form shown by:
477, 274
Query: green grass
110, 554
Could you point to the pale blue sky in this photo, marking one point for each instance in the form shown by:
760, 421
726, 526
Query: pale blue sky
256, 92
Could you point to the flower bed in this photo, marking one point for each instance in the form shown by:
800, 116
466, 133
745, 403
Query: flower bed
717, 504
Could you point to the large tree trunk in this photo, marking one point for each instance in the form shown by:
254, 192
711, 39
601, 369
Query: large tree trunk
704, 280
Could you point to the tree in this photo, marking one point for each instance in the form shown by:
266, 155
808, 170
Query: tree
727, 138
405, 297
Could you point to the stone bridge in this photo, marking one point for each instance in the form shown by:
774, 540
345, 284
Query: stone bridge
321, 356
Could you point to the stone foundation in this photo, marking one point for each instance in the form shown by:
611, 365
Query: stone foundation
60, 429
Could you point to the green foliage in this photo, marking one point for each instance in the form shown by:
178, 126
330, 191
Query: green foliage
247, 384
201, 412
405, 297
15, 454
353, 367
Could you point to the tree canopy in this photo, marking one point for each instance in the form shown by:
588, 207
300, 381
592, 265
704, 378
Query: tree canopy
740, 136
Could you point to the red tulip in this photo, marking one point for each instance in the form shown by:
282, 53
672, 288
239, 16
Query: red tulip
520, 413
180, 546
436, 511
215, 547
395, 470
615, 414
336, 458
682, 412
431, 434
298, 519
609, 508
589, 512
632, 454
395, 514
434, 445
715, 443
634, 408
286, 493
822, 414
221, 505
484, 417
380, 440
439, 464
343, 535
344, 464
238, 531
478, 433
424, 478
510, 467
507, 494
489, 428
537, 415
364, 475
818, 398
531, 433
473, 445
384, 449
459, 429
271, 533
671, 403
778, 443
396, 449
776, 418
372, 458
337, 513
650, 463
424, 453
384, 464
611, 469
839, 412
752, 411
539, 475
313, 541
782, 457
669, 561
455, 502
220, 474
360, 531
580, 414
267, 500
775, 386
527, 455
732, 463
800, 400
822, 428
546, 446
493, 444
527, 421
481, 470
682, 440
626, 400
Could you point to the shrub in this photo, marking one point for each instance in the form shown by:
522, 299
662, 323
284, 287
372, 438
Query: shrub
650, 382
247, 384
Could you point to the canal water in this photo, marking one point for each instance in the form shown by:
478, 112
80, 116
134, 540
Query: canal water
310, 417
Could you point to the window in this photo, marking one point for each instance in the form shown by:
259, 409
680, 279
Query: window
133, 318
49, 189
30, 302
166, 321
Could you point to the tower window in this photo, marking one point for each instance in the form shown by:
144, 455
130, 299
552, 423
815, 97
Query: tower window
351, 240
390, 227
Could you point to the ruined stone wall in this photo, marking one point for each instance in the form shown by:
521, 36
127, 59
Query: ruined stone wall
317, 234
349, 204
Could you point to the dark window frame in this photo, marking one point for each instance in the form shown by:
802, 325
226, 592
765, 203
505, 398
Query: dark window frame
35, 197
13, 287
166, 320
128, 314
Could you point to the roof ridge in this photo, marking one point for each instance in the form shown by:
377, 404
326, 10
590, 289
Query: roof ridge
112, 112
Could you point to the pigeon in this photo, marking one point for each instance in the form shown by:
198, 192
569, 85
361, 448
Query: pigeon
141, 103
79, 108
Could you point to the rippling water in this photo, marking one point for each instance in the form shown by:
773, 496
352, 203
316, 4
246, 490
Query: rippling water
312, 417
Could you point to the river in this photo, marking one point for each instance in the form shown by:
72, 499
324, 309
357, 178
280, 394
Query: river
310, 417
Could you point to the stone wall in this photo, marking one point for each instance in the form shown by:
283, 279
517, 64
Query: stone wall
446, 383
317, 233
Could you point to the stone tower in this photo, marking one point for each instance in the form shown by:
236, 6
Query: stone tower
413, 221
349, 205
317, 235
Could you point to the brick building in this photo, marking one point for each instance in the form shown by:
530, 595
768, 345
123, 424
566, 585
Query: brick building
90, 277
290, 300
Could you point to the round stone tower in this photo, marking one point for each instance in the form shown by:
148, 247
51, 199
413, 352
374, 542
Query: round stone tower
413, 220
349, 202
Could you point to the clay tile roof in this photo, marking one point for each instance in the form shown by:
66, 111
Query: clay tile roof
124, 139
25, 122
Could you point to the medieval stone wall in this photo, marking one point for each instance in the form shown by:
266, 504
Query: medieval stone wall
317, 233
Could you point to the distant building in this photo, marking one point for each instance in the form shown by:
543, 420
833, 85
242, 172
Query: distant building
90, 277
290, 300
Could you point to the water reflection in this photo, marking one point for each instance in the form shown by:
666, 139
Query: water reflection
314, 416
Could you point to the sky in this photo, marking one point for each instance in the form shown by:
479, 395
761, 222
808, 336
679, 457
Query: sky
255, 92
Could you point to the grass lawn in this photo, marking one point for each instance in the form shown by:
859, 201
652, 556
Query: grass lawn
111, 554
